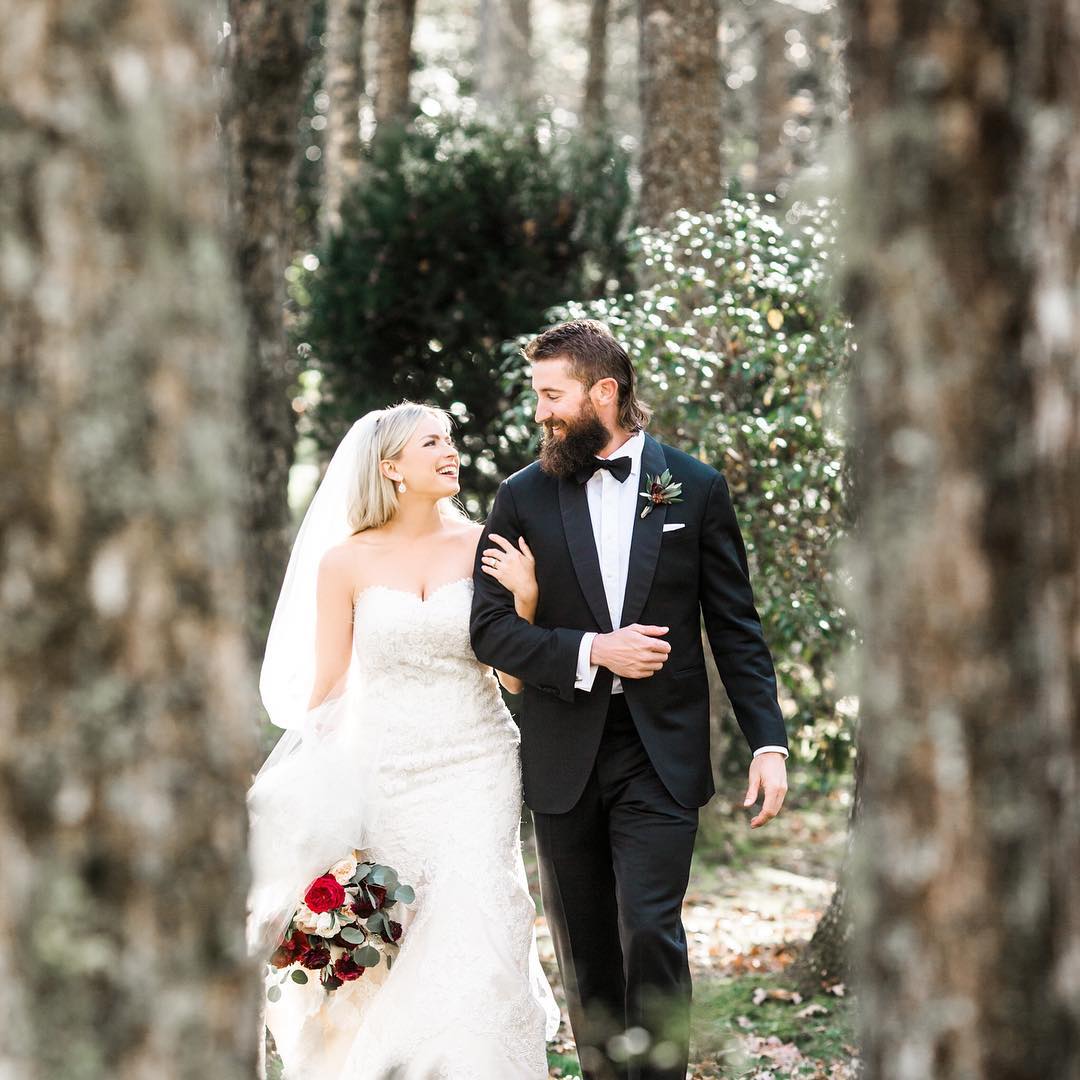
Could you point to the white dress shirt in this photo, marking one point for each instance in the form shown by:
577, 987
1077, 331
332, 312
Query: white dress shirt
613, 506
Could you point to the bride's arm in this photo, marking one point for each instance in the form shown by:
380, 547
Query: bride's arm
514, 568
334, 626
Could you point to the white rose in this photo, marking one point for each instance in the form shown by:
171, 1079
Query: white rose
306, 919
325, 924
344, 870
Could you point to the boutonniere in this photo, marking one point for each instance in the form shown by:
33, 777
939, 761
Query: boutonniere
660, 491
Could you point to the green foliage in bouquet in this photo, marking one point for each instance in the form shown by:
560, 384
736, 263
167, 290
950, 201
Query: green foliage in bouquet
456, 238
742, 350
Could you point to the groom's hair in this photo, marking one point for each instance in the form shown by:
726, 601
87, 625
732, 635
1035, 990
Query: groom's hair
594, 354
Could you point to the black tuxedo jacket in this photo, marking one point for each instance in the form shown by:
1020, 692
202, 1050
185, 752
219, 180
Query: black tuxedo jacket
674, 578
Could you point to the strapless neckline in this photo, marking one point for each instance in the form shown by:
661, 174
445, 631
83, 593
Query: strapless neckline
408, 592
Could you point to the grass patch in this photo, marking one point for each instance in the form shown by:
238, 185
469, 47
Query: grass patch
734, 1038
563, 1065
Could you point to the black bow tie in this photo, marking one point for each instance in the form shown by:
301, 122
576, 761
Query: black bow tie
618, 467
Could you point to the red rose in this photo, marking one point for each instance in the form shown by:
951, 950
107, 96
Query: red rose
363, 906
347, 968
395, 930
324, 894
315, 958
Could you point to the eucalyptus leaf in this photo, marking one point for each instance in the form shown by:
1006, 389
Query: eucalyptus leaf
274, 993
366, 956
404, 894
299, 977
354, 935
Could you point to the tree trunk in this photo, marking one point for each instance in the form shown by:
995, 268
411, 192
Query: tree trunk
393, 62
504, 64
126, 734
965, 289
826, 958
680, 107
594, 106
267, 54
773, 156
344, 86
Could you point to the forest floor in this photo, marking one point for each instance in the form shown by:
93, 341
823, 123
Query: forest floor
755, 897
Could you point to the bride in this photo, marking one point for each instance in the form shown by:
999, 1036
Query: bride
397, 742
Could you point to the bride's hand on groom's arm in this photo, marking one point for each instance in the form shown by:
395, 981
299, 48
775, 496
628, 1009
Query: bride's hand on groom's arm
515, 569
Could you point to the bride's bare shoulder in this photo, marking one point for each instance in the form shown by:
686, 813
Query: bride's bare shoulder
343, 557
467, 534
471, 530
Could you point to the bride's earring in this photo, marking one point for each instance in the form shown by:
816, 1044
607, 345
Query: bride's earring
401, 487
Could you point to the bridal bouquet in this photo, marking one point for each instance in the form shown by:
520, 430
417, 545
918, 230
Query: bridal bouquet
343, 925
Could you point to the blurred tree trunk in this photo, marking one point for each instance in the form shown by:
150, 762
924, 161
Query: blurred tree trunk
266, 58
344, 86
126, 734
504, 75
679, 83
393, 62
594, 106
773, 157
965, 289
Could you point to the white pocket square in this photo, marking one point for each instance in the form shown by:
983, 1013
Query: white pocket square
673, 527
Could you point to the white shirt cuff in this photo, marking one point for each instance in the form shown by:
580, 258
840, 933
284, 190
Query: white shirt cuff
586, 672
774, 749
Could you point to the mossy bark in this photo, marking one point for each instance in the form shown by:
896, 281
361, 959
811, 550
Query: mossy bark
964, 254
126, 723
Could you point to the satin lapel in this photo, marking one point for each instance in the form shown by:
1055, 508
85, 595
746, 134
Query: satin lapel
577, 525
645, 542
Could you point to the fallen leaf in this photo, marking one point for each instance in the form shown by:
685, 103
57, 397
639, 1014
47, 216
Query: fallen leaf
776, 994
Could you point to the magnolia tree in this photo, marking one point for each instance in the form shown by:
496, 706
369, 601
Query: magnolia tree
742, 348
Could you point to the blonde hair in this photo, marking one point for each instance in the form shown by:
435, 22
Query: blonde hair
384, 434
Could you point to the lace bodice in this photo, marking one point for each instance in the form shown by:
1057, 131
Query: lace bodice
438, 704
398, 634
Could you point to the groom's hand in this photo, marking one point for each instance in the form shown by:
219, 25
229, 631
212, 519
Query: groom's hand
634, 652
768, 771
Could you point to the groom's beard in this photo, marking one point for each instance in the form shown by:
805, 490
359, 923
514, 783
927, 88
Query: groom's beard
577, 447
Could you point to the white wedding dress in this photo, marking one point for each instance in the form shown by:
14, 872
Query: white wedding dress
466, 997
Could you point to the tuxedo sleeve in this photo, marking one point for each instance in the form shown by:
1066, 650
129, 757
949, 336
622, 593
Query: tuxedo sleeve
733, 626
547, 659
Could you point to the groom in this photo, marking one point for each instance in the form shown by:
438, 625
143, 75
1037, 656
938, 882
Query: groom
615, 720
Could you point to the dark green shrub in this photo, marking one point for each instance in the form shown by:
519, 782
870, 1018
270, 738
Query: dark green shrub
454, 240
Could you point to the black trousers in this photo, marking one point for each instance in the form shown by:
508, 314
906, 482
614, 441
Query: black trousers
613, 872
